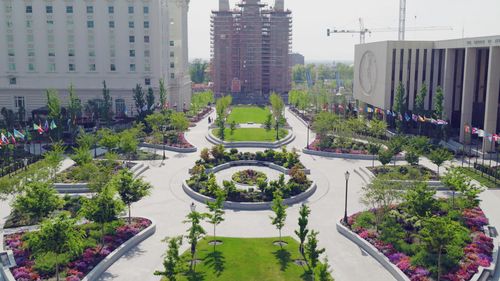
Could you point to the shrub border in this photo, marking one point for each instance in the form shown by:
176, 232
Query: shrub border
431, 183
169, 148
258, 144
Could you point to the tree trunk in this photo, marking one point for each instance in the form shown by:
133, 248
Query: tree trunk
215, 241
439, 263
281, 245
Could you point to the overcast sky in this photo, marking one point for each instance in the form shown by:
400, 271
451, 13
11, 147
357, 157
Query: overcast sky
311, 18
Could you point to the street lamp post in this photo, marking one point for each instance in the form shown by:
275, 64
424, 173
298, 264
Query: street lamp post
308, 128
95, 142
347, 174
164, 129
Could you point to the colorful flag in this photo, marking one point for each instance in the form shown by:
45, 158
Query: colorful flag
18, 134
407, 117
53, 125
480, 133
490, 137
414, 117
369, 109
474, 130
388, 112
467, 129
4, 139
441, 122
11, 137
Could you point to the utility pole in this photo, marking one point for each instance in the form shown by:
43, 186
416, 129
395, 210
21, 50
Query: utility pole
402, 20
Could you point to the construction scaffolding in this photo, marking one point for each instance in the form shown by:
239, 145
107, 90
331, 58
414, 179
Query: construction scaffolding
250, 48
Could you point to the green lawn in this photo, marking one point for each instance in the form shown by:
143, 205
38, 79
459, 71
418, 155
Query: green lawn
247, 114
251, 134
483, 180
247, 259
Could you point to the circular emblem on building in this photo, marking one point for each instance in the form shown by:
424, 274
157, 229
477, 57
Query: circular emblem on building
368, 72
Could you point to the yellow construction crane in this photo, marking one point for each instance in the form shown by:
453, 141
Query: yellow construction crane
363, 30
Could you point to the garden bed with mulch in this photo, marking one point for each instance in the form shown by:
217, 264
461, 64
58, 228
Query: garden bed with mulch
405, 172
336, 144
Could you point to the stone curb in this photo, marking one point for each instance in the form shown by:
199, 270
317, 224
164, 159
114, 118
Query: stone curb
249, 206
272, 145
431, 183
169, 148
344, 155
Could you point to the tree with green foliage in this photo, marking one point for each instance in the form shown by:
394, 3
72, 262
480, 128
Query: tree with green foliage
173, 263
279, 210
277, 109
374, 149
130, 189
216, 214
108, 139
442, 241
380, 194
55, 112
324, 271
412, 156
457, 181
107, 104
313, 251
74, 107
400, 104
128, 143
268, 124
377, 128
419, 200
103, 208
385, 156
396, 145
194, 233
324, 123
140, 101
439, 104
81, 155
439, 156
232, 127
150, 99
37, 200
8, 117
58, 237
197, 70
179, 122
163, 94
303, 230
419, 107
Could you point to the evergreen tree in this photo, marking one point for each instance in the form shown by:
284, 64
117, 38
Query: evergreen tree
55, 115
439, 104
74, 107
163, 94
150, 98
303, 230
140, 101
312, 250
420, 100
107, 104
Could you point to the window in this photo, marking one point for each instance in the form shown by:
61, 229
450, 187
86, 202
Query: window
10, 38
12, 81
90, 9
11, 53
172, 65
111, 10
172, 43
49, 9
52, 53
131, 39
91, 53
147, 81
132, 67
51, 38
29, 23
146, 39
131, 24
121, 109
112, 53
69, 9
172, 76
131, 9
29, 9
90, 24
50, 23
112, 67
52, 67
111, 24
146, 53
171, 54
71, 67
131, 53
31, 53
71, 38
30, 38
147, 67
9, 24
19, 102
92, 67
146, 24
31, 67
71, 53
146, 10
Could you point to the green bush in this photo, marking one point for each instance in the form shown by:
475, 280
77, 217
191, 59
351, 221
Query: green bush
365, 220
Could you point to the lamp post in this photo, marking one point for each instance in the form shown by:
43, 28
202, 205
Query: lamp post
347, 174
95, 141
163, 130
308, 128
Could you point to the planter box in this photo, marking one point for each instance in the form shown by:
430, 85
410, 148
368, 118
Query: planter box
345, 155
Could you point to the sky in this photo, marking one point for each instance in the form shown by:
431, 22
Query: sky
311, 18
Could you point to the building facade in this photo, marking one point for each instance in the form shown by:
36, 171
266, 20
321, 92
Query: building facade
297, 59
467, 70
54, 44
250, 48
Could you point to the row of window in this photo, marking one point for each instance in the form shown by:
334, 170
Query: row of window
90, 9
19, 101
72, 67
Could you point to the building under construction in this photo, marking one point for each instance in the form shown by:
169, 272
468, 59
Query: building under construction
250, 49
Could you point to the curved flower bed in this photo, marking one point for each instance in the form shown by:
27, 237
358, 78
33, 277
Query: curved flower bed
79, 267
249, 177
477, 253
331, 144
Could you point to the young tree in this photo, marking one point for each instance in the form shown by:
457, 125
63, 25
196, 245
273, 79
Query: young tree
140, 101
374, 149
277, 107
128, 142
232, 127
216, 215
194, 233
107, 104
420, 100
108, 139
268, 124
419, 200
74, 107
102, 208
439, 104
179, 122
439, 156
380, 194
163, 94
38, 200
150, 99
54, 106
378, 128
456, 180
279, 210
385, 156
412, 156
400, 102
131, 190
58, 236
324, 271
303, 230
313, 251
173, 261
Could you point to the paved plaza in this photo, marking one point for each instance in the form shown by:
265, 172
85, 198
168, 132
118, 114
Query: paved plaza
168, 205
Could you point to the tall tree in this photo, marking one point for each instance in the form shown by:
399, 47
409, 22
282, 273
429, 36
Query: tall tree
74, 107
279, 210
303, 230
163, 94
179, 122
439, 104
400, 104
9, 118
131, 190
420, 100
197, 70
150, 98
59, 237
277, 107
173, 261
140, 101
313, 251
194, 233
107, 104
54, 106
216, 214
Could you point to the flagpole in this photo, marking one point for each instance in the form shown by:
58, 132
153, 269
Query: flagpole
482, 168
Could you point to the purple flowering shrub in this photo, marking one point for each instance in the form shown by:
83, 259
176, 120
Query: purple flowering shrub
478, 253
79, 267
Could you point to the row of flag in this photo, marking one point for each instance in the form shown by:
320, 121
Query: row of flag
11, 137
20, 135
482, 134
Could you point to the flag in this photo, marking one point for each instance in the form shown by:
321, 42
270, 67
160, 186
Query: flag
496, 138
18, 134
12, 138
414, 117
145, 107
153, 106
4, 139
407, 117
53, 125
388, 112
441, 122
369, 109
355, 109
480, 133
400, 117
467, 129
46, 126
361, 109
394, 114
490, 137
421, 119
341, 106
474, 130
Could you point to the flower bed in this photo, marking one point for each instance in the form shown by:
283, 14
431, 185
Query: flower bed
249, 177
200, 115
84, 173
172, 139
477, 252
405, 172
338, 145
79, 266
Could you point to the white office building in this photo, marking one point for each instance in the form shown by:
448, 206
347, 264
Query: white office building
50, 44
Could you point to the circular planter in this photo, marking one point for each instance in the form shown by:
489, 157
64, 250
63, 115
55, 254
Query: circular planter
252, 181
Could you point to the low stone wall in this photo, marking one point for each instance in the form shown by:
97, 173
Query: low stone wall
370, 249
100, 268
344, 155
252, 163
6, 275
169, 148
249, 206
438, 185
74, 188
272, 145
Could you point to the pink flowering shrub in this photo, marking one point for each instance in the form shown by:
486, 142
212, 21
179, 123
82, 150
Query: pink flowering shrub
78, 268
